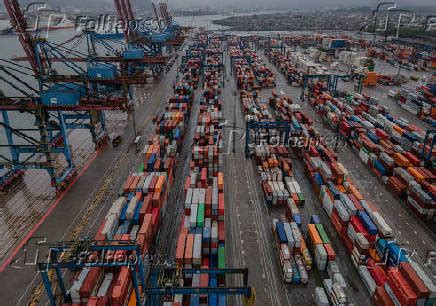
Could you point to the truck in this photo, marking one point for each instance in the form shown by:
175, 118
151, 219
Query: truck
283, 252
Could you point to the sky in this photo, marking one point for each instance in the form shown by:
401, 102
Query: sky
295, 4
271, 4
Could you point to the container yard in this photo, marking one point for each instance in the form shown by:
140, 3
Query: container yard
178, 165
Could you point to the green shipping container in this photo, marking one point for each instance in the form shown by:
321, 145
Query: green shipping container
322, 233
301, 198
221, 257
141, 167
200, 215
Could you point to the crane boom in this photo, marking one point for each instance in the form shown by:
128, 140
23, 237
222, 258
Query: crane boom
18, 22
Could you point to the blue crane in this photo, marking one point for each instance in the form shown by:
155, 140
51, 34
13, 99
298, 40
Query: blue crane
60, 102
150, 283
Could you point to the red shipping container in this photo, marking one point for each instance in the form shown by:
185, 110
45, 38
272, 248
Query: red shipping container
156, 200
414, 281
377, 272
91, 280
120, 291
132, 187
180, 251
358, 226
187, 184
381, 134
381, 297
128, 183
145, 208
98, 301
336, 221
188, 249
400, 287
356, 202
138, 195
412, 158
331, 255
347, 242
221, 204
221, 231
152, 184
99, 236
155, 217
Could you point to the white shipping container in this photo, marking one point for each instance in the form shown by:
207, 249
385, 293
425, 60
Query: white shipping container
196, 252
339, 279
110, 227
188, 200
320, 257
104, 287
328, 286
130, 211
117, 207
332, 267
289, 236
134, 232
214, 232
193, 217
367, 279
77, 284
321, 297
381, 224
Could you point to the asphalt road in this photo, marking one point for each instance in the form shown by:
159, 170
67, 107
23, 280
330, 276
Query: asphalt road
411, 232
250, 221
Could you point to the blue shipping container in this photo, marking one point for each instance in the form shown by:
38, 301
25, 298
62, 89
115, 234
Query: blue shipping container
280, 229
137, 210
334, 190
222, 301
379, 167
297, 219
396, 254
367, 222
373, 138
314, 219
381, 246
318, 179
123, 212
296, 279
195, 300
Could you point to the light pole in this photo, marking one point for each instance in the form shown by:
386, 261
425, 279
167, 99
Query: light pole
374, 15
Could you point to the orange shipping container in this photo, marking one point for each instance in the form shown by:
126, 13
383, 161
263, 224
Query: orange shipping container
188, 249
416, 174
220, 181
313, 234
180, 251
353, 190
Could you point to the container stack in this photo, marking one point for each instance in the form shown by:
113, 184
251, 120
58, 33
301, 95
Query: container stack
420, 102
135, 215
265, 78
290, 247
253, 107
389, 146
201, 240
364, 232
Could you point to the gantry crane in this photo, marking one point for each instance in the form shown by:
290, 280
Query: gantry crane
74, 100
151, 283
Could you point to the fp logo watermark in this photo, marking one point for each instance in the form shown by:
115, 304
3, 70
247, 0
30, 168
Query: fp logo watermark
45, 17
